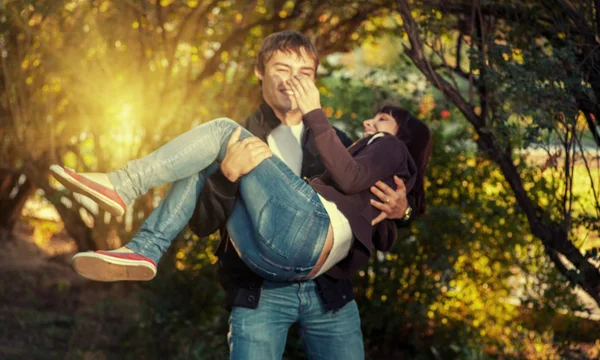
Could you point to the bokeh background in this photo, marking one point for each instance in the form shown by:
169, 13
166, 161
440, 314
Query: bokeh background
503, 265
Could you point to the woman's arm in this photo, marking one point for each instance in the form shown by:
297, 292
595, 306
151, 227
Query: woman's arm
382, 159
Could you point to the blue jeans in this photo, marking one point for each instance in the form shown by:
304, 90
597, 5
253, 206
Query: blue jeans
261, 333
278, 226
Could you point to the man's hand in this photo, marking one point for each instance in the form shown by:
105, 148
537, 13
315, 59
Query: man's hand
243, 156
394, 203
306, 93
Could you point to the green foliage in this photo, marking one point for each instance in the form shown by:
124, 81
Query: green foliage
452, 285
453, 281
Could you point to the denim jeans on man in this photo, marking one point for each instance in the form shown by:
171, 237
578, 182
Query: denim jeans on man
279, 225
261, 333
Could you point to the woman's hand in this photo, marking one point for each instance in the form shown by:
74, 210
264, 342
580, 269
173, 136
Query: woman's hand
306, 93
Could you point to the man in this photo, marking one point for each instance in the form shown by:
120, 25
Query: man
263, 311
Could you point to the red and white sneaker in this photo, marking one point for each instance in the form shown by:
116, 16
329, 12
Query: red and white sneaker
114, 266
106, 197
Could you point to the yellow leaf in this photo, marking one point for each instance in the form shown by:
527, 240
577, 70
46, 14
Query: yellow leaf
104, 6
70, 6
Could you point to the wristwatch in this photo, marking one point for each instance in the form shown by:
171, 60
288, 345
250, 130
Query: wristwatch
407, 213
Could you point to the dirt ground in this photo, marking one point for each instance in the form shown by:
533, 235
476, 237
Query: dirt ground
47, 311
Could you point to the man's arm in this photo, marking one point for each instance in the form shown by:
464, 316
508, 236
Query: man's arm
402, 221
214, 204
385, 233
216, 200
394, 203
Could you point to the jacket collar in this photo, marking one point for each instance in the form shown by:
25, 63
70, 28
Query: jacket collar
268, 117
267, 121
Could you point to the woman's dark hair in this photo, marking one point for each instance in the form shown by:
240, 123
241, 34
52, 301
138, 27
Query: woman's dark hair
417, 137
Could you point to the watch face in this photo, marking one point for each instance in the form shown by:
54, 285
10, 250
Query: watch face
407, 213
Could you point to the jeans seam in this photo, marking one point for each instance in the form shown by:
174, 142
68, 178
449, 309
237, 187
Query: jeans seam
160, 164
307, 229
282, 267
260, 267
179, 204
176, 156
142, 249
147, 243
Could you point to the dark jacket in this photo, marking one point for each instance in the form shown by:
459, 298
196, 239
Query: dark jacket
347, 181
242, 286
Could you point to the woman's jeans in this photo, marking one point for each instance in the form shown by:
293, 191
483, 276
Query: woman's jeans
278, 225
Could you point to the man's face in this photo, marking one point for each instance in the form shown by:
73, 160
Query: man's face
380, 123
280, 68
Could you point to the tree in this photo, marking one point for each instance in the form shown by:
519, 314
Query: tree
535, 60
93, 84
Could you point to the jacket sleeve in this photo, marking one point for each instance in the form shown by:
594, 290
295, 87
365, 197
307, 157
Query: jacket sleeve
385, 235
355, 174
401, 223
214, 204
346, 141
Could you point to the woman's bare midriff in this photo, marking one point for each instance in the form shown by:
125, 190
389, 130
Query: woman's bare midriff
324, 253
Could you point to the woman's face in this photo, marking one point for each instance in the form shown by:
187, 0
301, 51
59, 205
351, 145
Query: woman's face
380, 123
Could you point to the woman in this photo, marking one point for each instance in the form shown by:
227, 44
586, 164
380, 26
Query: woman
300, 230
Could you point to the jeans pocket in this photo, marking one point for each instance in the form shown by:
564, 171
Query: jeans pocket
279, 224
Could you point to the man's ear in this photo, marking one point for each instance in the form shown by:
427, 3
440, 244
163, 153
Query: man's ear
258, 74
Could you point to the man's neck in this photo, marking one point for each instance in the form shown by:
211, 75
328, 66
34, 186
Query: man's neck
289, 118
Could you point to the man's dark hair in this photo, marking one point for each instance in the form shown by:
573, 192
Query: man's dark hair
288, 42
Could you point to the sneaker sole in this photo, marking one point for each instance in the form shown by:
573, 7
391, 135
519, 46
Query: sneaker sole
104, 268
70, 183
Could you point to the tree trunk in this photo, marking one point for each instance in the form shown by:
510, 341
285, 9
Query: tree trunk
74, 224
12, 198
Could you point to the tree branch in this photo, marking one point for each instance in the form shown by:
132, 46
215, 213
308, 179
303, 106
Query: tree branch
578, 21
198, 12
417, 54
552, 235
